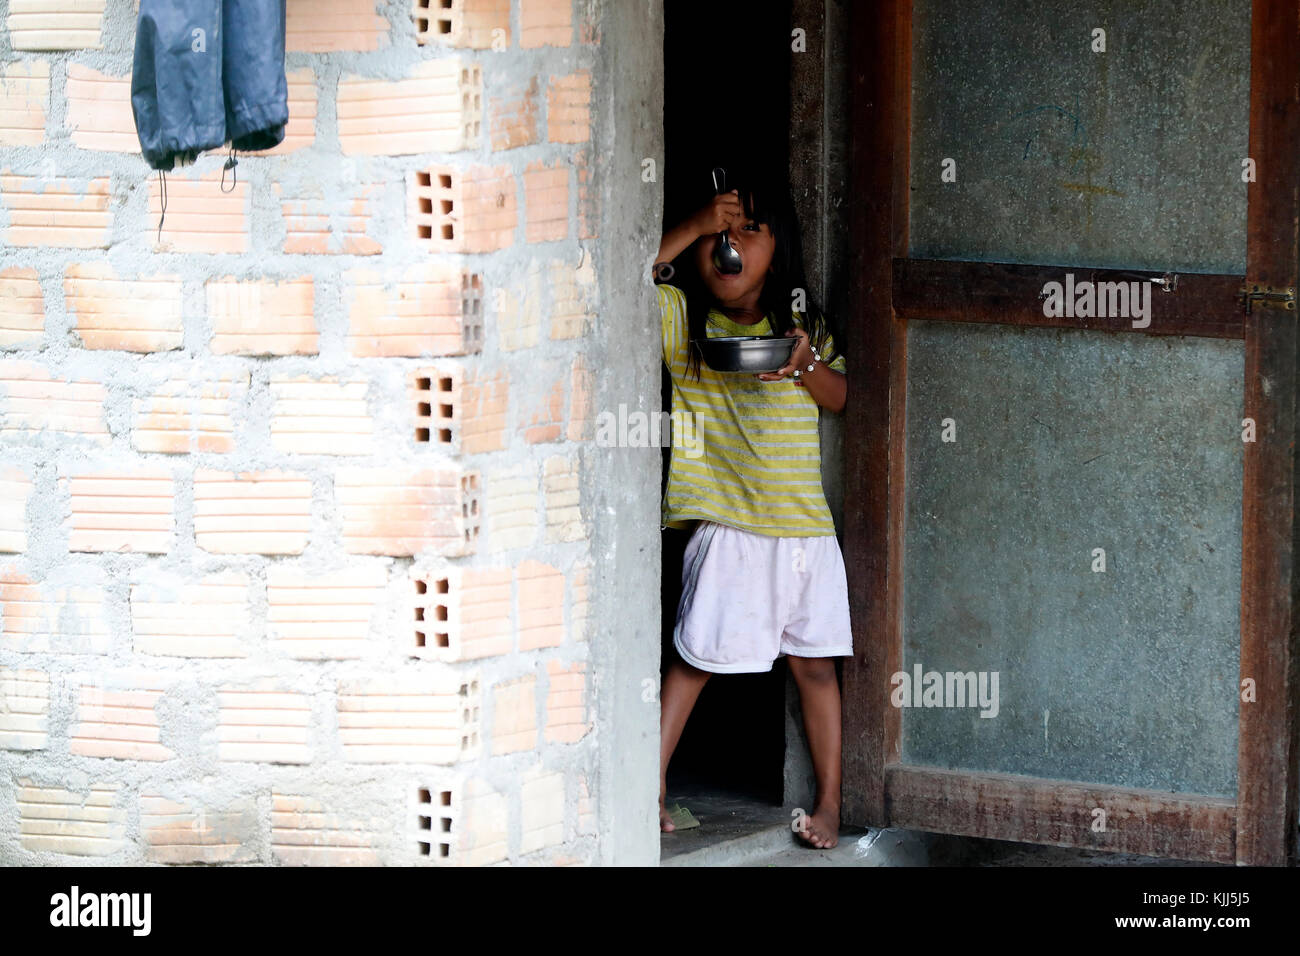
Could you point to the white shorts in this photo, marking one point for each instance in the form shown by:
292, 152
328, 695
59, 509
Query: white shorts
748, 599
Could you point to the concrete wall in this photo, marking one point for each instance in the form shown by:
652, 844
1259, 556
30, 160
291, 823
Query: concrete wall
306, 553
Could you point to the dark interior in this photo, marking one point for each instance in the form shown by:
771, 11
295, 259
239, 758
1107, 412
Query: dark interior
726, 101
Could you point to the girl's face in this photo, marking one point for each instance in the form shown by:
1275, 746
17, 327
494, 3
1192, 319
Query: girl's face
755, 243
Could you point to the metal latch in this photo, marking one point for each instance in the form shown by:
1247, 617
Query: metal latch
1277, 298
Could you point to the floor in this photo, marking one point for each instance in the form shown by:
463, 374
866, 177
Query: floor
737, 830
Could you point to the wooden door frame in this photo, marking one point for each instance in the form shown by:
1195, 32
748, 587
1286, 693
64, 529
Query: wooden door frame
886, 290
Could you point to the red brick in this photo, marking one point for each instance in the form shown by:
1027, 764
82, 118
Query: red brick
99, 111
321, 416
580, 419
55, 212
33, 401
329, 225
512, 505
24, 709
514, 716
403, 511
546, 198
435, 399
485, 399
183, 415
545, 23
573, 295
428, 309
90, 822
319, 615
459, 614
432, 719
541, 605
201, 217
22, 309
545, 417
436, 108
471, 24
262, 317
563, 514
566, 702
121, 510
55, 24
24, 93
568, 108
184, 832
209, 617
120, 724
143, 314
327, 26
514, 118
263, 723
463, 210
305, 833
42, 617
262, 512
541, 798
15, 491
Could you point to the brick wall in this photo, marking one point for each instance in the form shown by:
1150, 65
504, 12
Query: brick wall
294, 566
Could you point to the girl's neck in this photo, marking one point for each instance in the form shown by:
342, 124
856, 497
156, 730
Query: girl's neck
743, 313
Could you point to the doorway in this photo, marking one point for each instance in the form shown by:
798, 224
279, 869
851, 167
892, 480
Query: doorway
726, 100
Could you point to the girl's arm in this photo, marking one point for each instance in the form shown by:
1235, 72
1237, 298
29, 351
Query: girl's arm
717, 216
828, 388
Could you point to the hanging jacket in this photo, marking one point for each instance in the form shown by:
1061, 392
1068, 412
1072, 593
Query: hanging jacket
208, 72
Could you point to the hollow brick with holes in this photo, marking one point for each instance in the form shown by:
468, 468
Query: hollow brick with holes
460, 614
470, 209
436, 404
465, 24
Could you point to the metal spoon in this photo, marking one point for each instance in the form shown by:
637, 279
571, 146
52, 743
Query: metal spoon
725, 258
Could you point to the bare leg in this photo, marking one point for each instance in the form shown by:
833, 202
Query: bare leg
682, 686
819, 693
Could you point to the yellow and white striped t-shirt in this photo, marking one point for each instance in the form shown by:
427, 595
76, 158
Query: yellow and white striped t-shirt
746, 453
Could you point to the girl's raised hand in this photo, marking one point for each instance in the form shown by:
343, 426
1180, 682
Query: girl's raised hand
723, 211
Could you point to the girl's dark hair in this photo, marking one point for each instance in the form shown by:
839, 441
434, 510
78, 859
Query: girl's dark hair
766, 199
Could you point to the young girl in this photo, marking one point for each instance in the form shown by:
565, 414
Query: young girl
763, 576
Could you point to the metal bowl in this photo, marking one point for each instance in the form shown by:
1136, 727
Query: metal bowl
748, 353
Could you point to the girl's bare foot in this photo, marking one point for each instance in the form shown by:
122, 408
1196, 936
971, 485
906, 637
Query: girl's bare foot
822, 828
665, 819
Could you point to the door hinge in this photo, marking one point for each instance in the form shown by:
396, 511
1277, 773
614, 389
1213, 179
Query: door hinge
1267, 295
